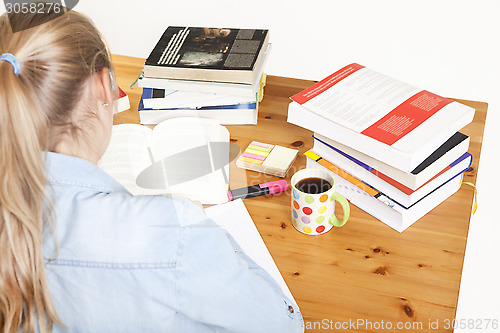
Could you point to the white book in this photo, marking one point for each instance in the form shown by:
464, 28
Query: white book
440, 159
385, 118
186, 157
189, 99
209, 87
397, 192
388, 211
122, 103
235, 219
240, 115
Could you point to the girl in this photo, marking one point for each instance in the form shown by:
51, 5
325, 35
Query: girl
77, 251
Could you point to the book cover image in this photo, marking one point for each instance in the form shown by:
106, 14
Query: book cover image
209, 48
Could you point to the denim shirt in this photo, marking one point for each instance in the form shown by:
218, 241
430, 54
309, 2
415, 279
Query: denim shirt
122, 263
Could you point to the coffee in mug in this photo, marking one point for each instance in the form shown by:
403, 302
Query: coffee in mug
313, 202
313, 185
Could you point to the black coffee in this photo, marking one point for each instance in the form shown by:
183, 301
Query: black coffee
313, 185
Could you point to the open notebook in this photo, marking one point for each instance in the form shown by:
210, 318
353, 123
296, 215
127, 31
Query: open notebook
235, 219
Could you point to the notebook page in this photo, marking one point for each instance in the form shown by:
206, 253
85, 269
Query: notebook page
235, 219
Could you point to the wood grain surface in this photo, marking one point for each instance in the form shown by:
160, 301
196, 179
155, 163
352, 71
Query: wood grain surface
363, 277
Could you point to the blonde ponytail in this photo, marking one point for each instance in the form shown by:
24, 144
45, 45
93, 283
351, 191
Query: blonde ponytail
56, 60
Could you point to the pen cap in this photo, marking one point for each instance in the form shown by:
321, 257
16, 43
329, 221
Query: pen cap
276, 187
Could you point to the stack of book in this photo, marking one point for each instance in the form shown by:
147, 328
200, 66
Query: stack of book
397, 149
205, 72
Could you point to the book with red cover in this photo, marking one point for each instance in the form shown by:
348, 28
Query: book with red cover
122, 103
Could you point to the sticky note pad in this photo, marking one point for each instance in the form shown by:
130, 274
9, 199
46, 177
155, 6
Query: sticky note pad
271, 159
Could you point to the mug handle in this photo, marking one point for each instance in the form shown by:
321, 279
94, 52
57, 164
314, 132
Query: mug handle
345, 207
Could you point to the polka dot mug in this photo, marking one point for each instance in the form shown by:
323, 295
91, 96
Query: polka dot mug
314, 213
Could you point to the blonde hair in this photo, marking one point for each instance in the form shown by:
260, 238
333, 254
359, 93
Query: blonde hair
56, 58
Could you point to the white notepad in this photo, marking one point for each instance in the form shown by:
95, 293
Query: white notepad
235, 219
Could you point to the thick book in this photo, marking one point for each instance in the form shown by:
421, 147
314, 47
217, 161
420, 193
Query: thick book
387, 211
186, 157
438, 161
237, 114
256, 88
382, 117
389, 188
208, 54
171, 99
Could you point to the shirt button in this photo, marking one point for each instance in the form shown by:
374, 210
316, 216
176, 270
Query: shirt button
290, 309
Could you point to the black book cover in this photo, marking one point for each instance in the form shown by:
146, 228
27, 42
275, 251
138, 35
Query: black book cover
445, 147
208, 48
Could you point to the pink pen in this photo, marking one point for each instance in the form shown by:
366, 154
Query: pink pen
258, 190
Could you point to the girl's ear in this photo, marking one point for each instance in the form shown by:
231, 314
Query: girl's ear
104, 87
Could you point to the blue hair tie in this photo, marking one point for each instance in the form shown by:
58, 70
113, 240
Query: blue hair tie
12, 60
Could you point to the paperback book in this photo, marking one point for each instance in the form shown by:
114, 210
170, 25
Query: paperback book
390, 120
388, 211
235, 114
256, 88
208, 54
170, 99
440, 159
397, 192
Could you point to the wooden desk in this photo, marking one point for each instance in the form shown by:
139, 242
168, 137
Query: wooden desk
364, 270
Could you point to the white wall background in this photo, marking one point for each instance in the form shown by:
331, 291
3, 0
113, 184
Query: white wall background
450, 47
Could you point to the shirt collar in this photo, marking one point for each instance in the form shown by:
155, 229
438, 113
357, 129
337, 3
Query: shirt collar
69, 170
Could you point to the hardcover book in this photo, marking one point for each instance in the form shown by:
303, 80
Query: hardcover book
208, 54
